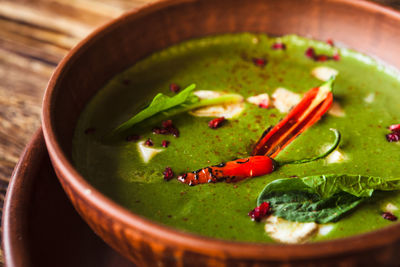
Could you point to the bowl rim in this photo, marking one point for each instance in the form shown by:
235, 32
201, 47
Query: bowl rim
235, 249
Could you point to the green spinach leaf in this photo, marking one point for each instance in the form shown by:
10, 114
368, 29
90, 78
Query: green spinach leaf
322, 198
160, 103
163, 107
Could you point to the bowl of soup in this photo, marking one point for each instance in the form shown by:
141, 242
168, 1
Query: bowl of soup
129, 114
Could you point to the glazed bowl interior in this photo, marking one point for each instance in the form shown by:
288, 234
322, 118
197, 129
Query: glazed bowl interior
360, 25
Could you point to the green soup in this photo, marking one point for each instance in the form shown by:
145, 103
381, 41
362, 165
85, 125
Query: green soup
368, 93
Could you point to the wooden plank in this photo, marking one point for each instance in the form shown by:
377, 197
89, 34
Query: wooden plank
44, 19
11, 29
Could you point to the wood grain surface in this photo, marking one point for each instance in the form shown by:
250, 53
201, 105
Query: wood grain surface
34, 36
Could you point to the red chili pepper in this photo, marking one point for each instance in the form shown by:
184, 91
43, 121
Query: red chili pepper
310, 109
313, 105
231, 171
240, 169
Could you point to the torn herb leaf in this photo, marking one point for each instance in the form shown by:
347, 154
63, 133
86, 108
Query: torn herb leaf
163, 107
160, 103
322, 198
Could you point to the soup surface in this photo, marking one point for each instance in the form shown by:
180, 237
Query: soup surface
366, 92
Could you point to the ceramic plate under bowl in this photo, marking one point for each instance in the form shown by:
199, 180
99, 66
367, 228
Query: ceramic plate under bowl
40, 226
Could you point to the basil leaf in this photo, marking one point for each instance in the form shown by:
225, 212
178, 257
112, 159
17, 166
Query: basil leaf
305, 207
322, 198
163, 107
357, 185
160, 103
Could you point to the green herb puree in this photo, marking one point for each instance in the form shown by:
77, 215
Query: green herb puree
224, 63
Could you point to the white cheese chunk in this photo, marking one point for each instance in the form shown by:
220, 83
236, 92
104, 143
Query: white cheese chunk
255, 40
261, 100
336, 110
289, 232
206, 94
284, 99
324, 73
146, 152
390, 207
325, 229
336, 156
370, 98
228, 110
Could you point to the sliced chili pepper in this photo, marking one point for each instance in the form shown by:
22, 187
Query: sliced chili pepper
310, 109
232, 171
240, 169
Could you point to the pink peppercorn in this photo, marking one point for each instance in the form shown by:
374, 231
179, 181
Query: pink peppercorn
394, 127
260, 212
310, 52
216, 123
336, 57
278, 46
393, 137
321, 58
389, 216
260, 62
168, 174
167, 124
330, 42
174, 87
167, 128
165, 143
149, 142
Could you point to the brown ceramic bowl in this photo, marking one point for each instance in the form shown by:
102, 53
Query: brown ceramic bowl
361, 25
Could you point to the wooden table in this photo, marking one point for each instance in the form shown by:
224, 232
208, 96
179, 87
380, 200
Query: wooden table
34, 36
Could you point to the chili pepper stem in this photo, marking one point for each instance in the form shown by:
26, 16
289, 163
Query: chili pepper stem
329, 83
323, 155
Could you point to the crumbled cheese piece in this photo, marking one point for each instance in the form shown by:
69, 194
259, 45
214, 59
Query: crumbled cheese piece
336, 156
146, 152
228, 110
390, 207
284, 99
324, 73
370, 98
206, 94
261, 100
289, 232
325, 229
336, 110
